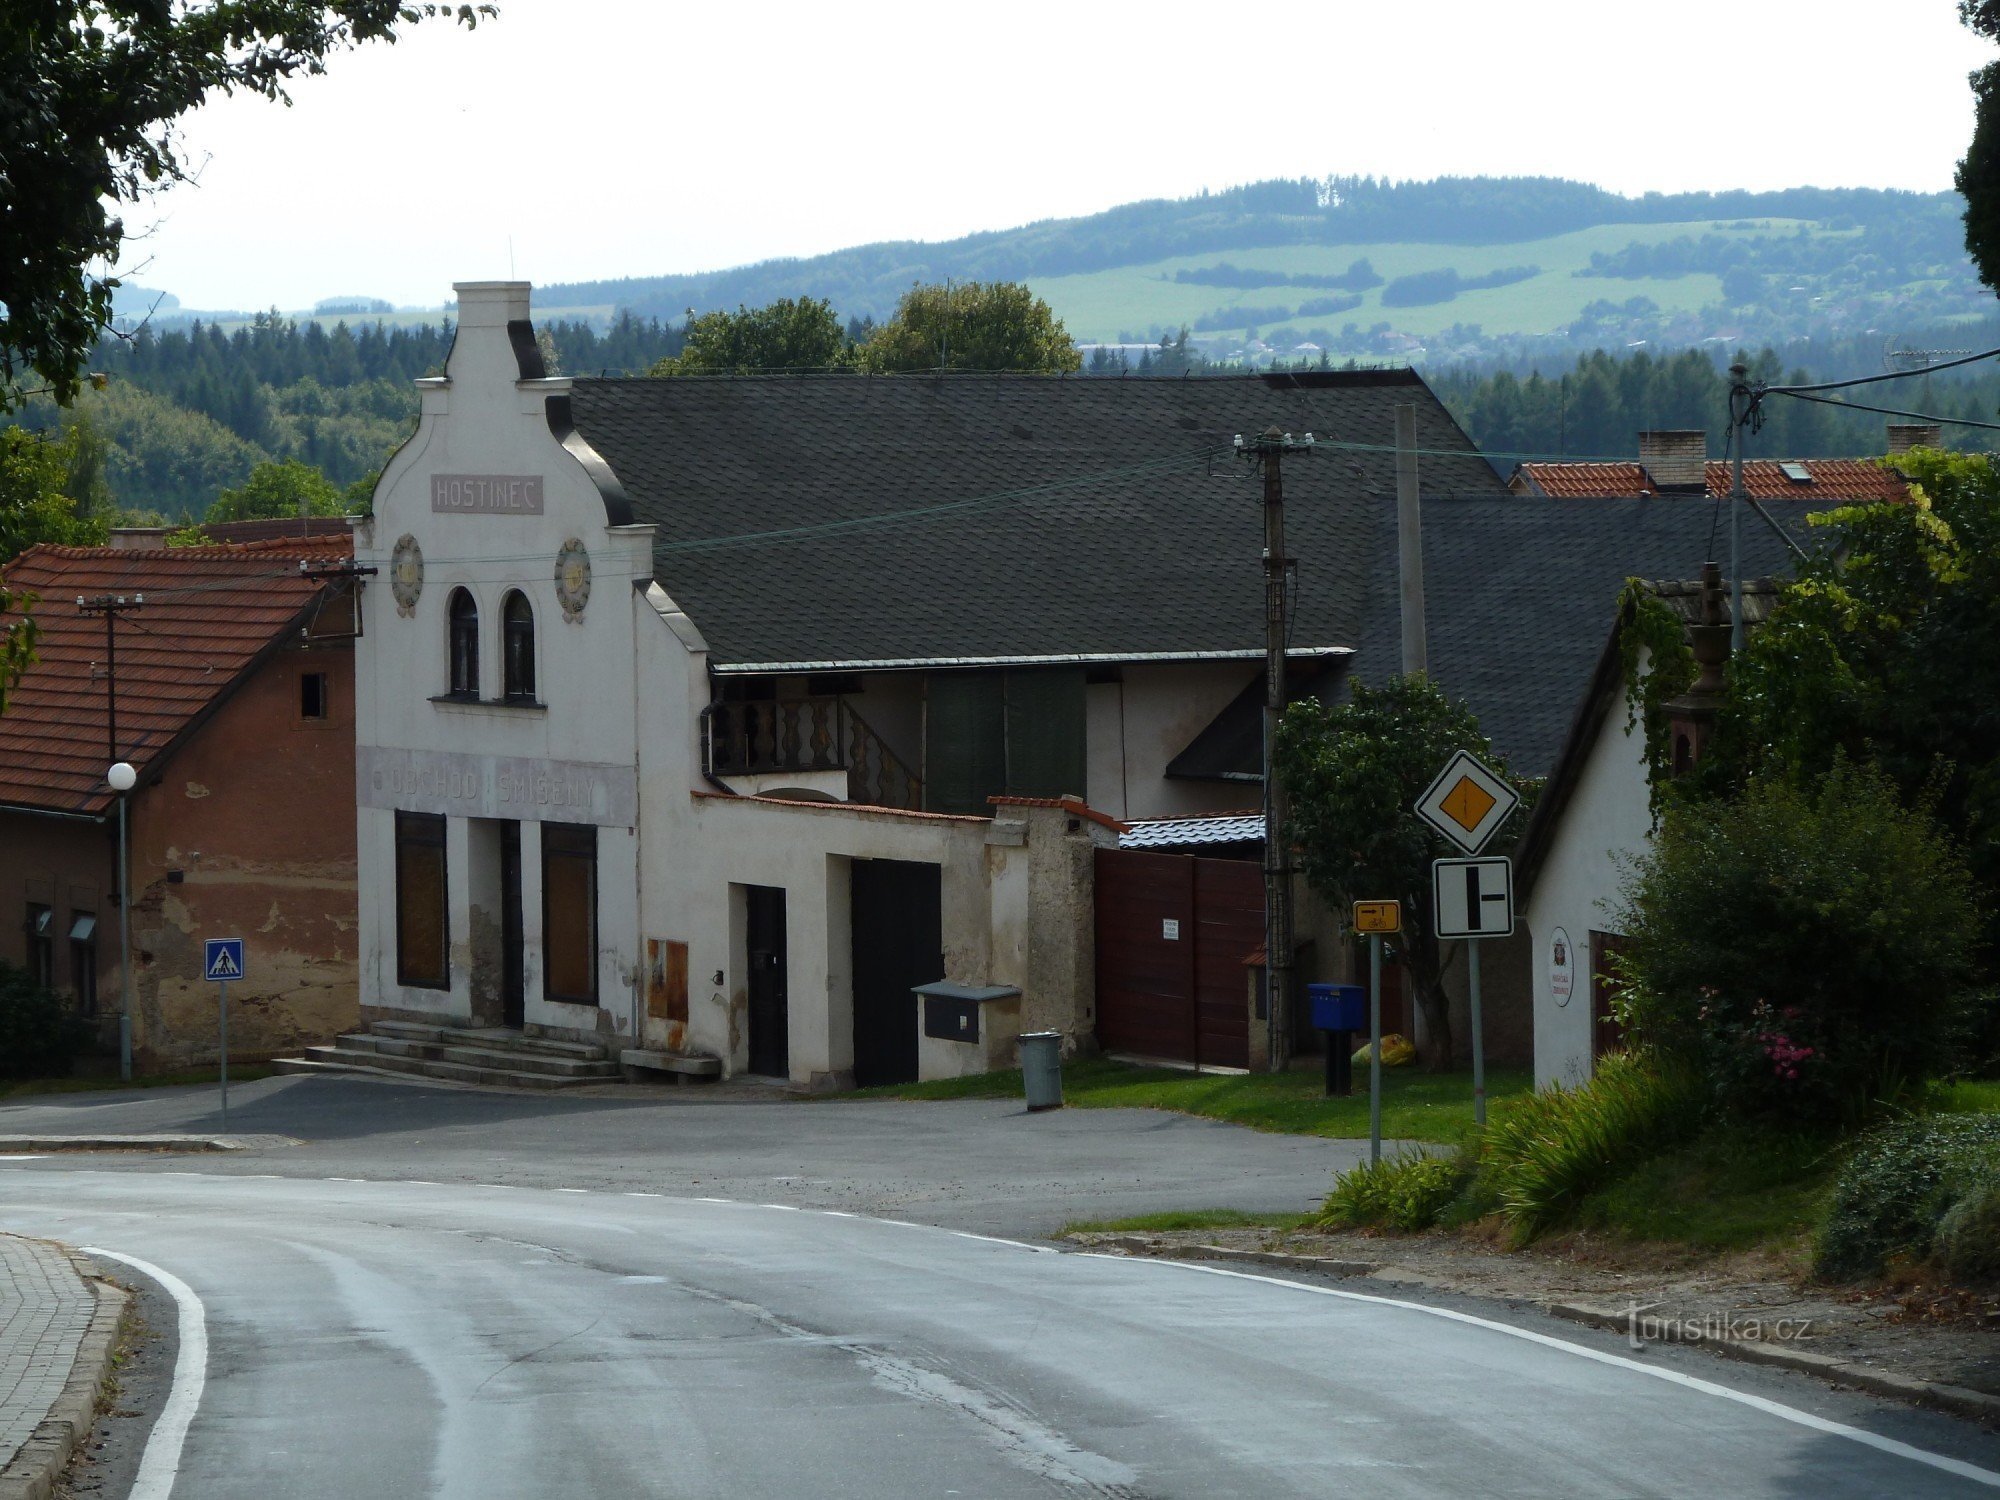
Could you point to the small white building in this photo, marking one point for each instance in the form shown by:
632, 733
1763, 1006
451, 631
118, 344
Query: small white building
708, 716
1596, 815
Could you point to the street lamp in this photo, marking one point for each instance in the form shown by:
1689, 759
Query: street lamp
122, 779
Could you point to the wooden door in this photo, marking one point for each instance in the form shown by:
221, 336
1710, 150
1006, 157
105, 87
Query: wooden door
1172, 936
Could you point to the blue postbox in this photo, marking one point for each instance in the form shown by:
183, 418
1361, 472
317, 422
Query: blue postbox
1338, 1007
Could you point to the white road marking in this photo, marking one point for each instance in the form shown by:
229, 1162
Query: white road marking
713, 1200
1881, 1444
21, 1158
787, 1207
343, 1179
161, 1462
966, 1234
645, 1195
572, 1190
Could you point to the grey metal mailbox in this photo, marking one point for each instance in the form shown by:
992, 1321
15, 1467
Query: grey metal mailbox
951, 1011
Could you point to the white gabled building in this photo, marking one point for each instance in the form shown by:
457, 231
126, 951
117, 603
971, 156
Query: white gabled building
668, 739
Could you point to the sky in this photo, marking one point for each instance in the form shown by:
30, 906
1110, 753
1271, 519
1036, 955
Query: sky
582, 139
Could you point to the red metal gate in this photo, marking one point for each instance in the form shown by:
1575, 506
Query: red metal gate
1172, 936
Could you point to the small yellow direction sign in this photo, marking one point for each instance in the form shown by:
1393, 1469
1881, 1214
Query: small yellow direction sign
1468, 802
1378, 916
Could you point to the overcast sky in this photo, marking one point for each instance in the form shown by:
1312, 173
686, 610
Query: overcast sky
577, 139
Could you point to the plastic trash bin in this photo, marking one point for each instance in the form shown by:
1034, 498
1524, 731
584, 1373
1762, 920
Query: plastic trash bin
1041, 1069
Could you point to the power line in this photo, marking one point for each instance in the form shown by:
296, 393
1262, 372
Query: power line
1841, 385
1799, 394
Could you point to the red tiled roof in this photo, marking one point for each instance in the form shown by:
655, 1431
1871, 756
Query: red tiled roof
1832, 479
1852, 479
1589, 481
209, 612
1075, 805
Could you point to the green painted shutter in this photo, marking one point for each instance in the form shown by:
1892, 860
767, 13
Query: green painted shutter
1045, 732
965, 749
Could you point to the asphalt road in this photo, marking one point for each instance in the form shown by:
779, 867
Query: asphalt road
405, 1338
976, 1164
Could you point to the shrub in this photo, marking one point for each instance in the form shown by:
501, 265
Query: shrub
1810, 952
39, 1035
1900, 1190
1409, 1193
1547, 1151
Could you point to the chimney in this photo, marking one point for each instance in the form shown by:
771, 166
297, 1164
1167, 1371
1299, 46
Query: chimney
1691, 717
1903, 436
494, 341
1676, 458
1410, 544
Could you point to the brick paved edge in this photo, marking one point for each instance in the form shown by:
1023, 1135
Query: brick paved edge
40, 1463
1956, 1399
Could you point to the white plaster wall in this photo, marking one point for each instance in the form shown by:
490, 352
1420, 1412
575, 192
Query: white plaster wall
1607, 817
481, 418
805, 849
1163, 706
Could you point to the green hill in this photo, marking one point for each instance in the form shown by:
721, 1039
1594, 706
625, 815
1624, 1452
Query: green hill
1564, 264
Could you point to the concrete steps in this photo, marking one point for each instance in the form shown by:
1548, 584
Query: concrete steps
459, 1054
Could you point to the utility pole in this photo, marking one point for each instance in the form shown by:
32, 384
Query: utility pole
1268, 449
111, 606
1742, 417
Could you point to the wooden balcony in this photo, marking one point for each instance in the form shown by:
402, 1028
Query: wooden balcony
778, 735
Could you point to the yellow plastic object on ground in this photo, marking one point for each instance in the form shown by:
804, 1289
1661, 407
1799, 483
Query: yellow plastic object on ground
1397, 1051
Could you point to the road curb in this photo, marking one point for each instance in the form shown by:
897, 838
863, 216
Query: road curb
1956, 1399
1976, 1406
24, 1144
35, 1469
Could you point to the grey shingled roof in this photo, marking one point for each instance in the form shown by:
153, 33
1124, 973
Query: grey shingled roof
1161, 562
1519, 594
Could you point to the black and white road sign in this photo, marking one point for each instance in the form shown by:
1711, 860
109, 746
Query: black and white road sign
1473, 898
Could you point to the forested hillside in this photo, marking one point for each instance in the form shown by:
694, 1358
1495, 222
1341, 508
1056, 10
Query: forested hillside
188, 412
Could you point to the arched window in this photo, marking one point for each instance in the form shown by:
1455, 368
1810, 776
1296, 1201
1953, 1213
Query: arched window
464, 645
517, 624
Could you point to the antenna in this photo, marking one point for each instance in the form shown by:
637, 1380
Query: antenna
1899, 358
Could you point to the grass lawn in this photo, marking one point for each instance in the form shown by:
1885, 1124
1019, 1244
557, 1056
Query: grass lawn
26, 1088
1970, 1096
1733, 1187
1415, 1106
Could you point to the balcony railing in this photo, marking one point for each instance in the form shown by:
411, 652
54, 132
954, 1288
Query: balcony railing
778, 735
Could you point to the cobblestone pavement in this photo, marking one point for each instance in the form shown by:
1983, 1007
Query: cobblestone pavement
45, 1310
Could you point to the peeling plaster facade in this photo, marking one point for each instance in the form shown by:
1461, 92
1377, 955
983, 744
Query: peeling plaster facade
245, 831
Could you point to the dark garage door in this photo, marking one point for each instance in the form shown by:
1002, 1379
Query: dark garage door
1172, 935
898, 933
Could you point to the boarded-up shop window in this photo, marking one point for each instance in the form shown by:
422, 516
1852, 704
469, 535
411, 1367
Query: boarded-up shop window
422, 916
569, 912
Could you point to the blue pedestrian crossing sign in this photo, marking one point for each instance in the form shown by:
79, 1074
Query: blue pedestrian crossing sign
224, 958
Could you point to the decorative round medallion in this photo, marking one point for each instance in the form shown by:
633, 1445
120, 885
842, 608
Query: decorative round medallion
572, 579
406, 574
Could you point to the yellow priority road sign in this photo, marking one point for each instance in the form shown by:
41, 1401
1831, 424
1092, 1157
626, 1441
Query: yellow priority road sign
1468, 802
1378, 916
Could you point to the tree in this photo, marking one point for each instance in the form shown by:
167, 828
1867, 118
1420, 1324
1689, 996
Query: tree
1978, 177
1355, 773
39, 478
1810, 949
793, 333
90, 91
976, 325
276, 491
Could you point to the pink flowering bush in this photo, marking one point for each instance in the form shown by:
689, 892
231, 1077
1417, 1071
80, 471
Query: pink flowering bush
1812, 953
